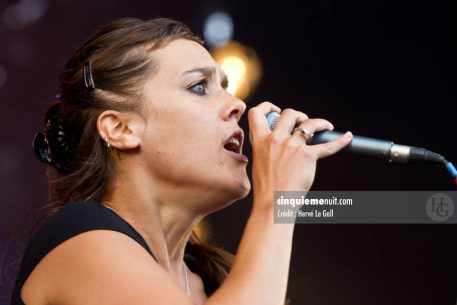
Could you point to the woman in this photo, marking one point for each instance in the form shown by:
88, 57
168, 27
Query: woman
144, 143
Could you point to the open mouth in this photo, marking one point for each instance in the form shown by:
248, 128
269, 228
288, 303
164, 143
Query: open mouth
235, 142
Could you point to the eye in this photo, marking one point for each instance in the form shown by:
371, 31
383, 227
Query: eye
199, 88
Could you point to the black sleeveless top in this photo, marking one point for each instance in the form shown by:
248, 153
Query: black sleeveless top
72, 219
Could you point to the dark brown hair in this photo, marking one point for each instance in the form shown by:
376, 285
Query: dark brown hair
81, 166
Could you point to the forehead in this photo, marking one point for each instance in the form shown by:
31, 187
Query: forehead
182, 55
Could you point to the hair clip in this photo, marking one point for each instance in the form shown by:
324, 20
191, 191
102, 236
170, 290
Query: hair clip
88, 79
41, 149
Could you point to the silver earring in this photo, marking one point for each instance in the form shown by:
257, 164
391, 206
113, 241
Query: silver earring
107, 144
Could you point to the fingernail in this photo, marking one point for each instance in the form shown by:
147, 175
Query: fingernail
348, 134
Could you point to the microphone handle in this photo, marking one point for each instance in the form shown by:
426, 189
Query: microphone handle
380, 149
361, 146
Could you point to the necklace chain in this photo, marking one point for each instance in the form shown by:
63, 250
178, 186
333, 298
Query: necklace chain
184, 266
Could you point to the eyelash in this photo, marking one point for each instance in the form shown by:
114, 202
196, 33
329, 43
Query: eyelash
203, 82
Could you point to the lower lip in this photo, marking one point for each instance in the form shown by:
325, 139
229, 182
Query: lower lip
239, 157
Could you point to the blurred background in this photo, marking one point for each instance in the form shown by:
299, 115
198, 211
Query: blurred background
383, 69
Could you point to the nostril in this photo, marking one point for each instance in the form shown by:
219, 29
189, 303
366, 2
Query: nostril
235, 113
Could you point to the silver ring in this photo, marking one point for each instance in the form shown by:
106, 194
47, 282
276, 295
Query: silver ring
306, 133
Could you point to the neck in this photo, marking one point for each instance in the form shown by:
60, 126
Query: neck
160, 215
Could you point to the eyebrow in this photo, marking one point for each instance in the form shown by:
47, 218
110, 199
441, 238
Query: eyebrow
208, 72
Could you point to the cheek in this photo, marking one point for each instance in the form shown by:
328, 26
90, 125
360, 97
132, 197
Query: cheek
184, 141
183, 132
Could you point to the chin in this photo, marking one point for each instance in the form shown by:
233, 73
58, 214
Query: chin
229, 195
246, 188
240, 191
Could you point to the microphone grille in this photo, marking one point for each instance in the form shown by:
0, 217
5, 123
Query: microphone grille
272, 119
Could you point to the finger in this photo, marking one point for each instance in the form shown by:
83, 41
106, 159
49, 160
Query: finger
301, 133
315, 125
268, 107
330, 148
312, 125
287, 121
258, 126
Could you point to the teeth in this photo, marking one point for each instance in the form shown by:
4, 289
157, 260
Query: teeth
234, 141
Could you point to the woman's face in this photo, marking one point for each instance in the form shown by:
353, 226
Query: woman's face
190, 118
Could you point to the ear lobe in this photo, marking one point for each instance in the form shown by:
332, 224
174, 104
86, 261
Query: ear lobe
119, 129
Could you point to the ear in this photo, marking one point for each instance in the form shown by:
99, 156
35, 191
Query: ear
122, 130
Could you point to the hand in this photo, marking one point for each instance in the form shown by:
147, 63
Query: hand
281, 161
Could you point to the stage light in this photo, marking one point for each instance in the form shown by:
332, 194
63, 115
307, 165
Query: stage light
218, 29
202, 230
242, 66
20, 14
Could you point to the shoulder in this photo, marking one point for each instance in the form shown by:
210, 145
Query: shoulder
72, 219
88, 258
100, 267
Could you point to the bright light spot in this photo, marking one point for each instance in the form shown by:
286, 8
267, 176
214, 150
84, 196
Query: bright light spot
241, 65
20, 14
218, 29
202, 230
235, 68
3, 76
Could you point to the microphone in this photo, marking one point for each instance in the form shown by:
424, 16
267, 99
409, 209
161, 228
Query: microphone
370, 147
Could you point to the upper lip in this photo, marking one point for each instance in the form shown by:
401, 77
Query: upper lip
239, 135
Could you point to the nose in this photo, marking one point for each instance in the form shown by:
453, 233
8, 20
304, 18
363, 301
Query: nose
234, 109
